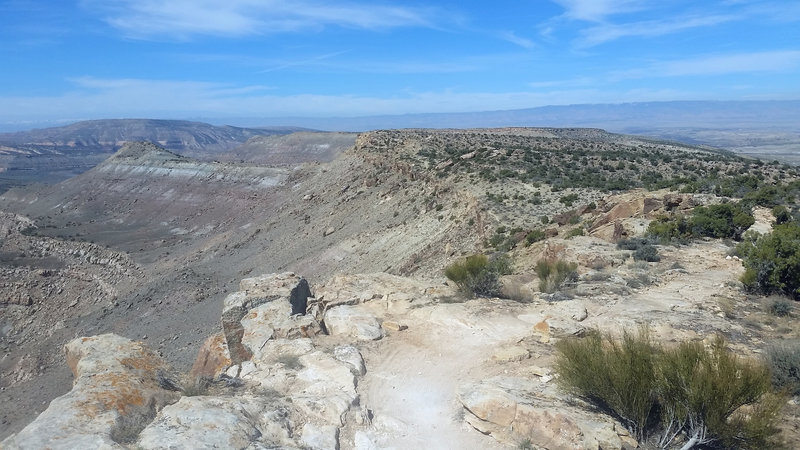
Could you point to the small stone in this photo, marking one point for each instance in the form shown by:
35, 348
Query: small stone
581, 315
539, 371
511, 354
393, 326
328, 231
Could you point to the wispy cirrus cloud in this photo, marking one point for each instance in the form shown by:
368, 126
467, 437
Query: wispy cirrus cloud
184, 19
607, 32
517, 40
130, 97
766, 61
599, 10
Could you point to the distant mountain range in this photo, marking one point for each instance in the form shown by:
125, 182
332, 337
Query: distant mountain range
764, 129
53, 154
110, 134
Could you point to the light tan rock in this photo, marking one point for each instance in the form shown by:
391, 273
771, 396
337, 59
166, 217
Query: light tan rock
355, 321
116, 386
393, 326
350, 355
284, 294
392, 291
514, 409
212, 358
320, 437
216, 422
511, 354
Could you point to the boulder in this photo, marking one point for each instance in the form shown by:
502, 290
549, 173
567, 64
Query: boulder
511, 354
390, 293
320, 437
350, 355
287, 291
354, 321
515, 409
325, 388
116, 390
218, 422
212, 358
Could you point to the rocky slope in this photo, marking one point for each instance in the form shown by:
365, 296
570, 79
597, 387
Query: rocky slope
380, 361
401, 203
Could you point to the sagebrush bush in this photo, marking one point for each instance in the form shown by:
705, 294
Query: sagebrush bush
575, 232
553, 274
780, 307
534, 236
689, 395
783, 360
478, 274
616, 376
634, 243
725, 220
772, 262
647, 253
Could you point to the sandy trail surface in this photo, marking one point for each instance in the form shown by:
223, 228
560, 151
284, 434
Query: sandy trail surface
413, 376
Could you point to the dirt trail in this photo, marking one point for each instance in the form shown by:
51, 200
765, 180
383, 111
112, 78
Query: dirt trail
412, 388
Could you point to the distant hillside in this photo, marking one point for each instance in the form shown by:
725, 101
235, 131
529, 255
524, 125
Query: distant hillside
764, 129
53, 154
109, 135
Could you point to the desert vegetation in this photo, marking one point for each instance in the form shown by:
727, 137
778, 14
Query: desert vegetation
686, 396
478, 275
772, 261
553, 274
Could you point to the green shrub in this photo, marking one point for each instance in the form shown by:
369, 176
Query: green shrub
780, 307
633, 243
662, 394
553, 274
782, 214
726, 220
772, 262
665, 229
783, 360
568, 199
617, 376
700, 391
479, 274
647, 253
534, 236
575, 232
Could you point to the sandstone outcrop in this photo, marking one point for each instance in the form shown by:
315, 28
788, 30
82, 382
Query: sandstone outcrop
516, 409
266, 307
116, 387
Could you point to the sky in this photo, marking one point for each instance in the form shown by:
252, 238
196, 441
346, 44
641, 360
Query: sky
64, 60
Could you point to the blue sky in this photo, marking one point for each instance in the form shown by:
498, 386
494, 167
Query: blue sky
73, 60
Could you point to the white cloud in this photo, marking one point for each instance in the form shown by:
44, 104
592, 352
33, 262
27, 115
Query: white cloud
517, 40
185, 18
600, 34
768, 61
109, 98
599, 10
